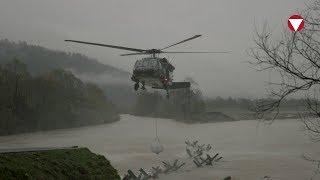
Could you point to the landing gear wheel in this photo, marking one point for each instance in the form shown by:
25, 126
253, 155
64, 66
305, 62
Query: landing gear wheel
136, 86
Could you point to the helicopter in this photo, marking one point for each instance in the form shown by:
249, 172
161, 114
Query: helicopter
153, 71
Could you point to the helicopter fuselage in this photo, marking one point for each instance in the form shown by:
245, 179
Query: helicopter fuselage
154, 72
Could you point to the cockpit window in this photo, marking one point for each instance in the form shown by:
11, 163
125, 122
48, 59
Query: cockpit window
147, 63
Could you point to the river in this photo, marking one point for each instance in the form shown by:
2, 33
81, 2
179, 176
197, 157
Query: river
251, 150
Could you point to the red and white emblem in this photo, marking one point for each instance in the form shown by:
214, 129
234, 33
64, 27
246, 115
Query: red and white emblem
296, 23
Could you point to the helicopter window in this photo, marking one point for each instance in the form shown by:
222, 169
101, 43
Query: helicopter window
147, 64
153, 64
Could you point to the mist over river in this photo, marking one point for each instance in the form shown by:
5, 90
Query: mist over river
251, 150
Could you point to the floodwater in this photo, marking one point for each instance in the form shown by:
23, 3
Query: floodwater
251, 150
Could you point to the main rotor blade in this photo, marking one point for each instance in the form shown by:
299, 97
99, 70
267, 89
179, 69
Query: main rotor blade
193, 37
202, 52
132, 54
106, 45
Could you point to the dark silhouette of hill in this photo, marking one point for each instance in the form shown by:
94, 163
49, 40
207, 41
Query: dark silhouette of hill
113, 81
40, 60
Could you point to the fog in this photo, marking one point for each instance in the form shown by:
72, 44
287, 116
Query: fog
103, 78
250, 150
225, 25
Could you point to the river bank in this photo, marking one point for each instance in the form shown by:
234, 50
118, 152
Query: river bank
68, 163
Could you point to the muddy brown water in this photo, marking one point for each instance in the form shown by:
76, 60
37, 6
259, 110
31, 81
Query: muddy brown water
251, 150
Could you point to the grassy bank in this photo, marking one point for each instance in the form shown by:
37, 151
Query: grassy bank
56, 164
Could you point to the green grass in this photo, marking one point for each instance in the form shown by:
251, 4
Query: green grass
56, 164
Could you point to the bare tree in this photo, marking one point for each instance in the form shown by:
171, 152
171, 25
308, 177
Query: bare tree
296, 57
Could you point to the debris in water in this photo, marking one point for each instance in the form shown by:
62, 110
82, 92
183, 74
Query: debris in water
200, 154
197, 151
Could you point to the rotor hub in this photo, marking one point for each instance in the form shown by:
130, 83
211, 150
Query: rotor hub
153, 51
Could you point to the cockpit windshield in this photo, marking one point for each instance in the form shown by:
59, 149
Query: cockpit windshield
147, 63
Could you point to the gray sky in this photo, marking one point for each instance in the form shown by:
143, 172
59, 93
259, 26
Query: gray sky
224, 24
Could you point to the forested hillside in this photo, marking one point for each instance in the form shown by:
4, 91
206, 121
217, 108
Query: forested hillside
55, 99
113, 81
40, 60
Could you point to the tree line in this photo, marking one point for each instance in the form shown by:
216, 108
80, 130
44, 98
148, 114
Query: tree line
55, 99
251, 104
